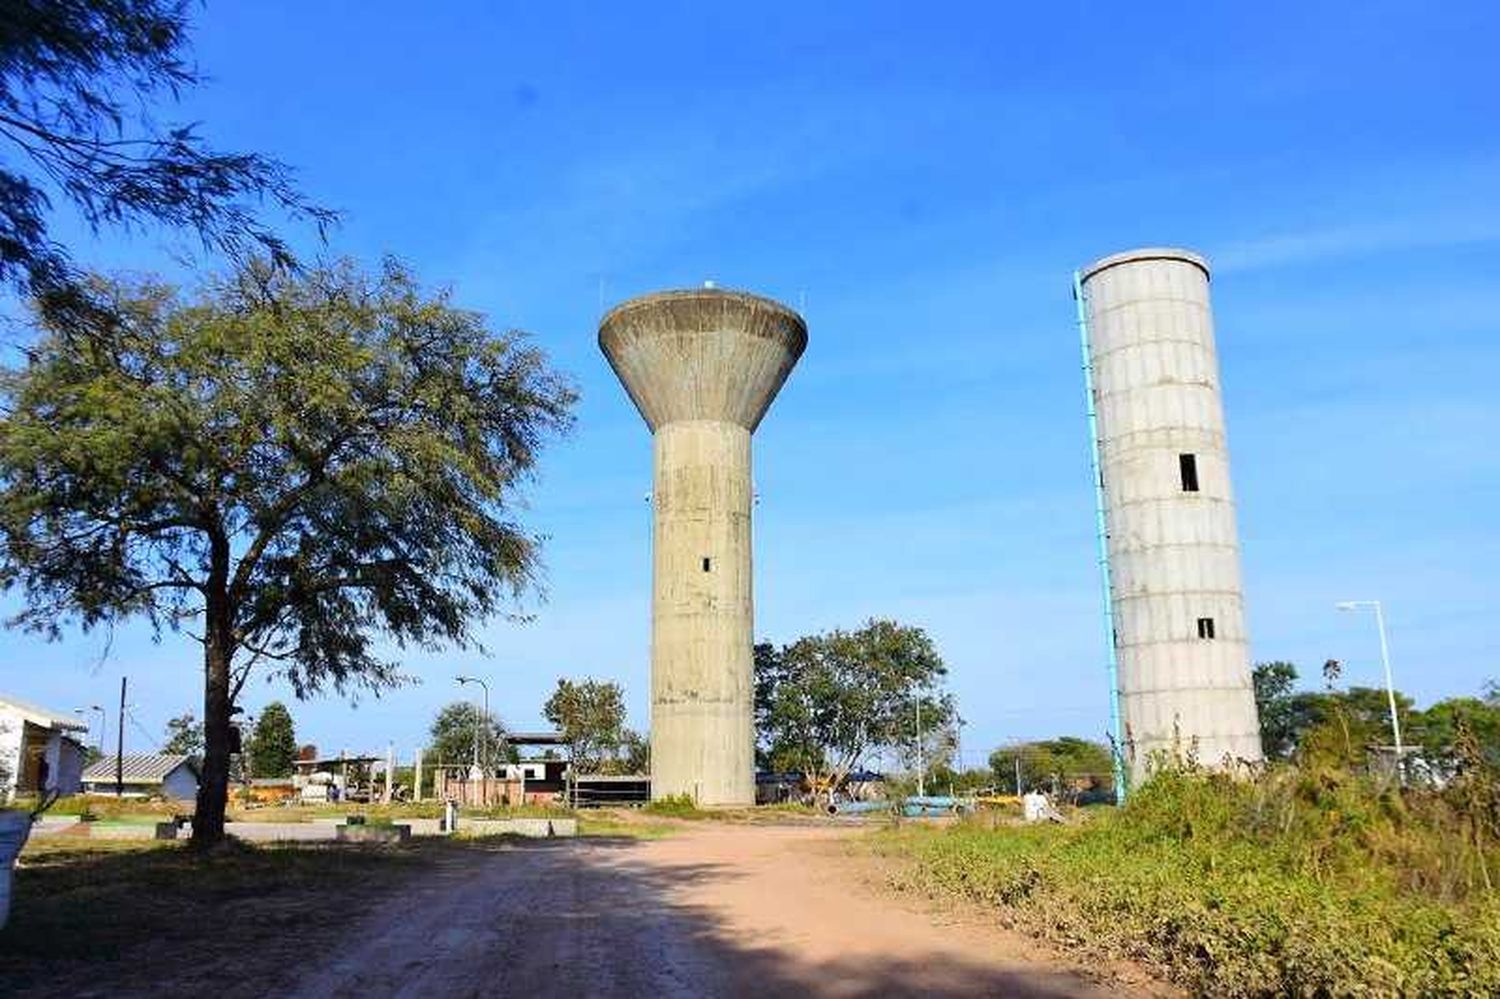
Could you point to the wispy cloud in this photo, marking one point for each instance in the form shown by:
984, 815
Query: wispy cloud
1358, 240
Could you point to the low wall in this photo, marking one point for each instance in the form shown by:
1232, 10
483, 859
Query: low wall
531, 828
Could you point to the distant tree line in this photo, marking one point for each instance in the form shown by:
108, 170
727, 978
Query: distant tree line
1343, 726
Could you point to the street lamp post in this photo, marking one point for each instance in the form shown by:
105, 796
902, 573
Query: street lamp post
479, 723
88, 734
1385, 659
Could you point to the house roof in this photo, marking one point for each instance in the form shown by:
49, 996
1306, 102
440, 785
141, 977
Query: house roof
38, 715
535, 739
140, 768
333, 761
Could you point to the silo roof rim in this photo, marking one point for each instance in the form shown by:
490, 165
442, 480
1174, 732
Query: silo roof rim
1147, 253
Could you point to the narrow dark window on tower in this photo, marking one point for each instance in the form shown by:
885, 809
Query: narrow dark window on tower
706, 563
1188, 464
1205, 627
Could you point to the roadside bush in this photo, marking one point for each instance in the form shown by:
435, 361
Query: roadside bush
679, 806
1296, 882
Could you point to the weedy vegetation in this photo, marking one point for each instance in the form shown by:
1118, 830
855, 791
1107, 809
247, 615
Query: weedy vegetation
1303, 880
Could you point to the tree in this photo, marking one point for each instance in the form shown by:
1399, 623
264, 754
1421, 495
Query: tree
78, 82
1274, 682
273, 746
453, 734
184, 736
1054, 763
295, 464
591, 717
825, 703
1437, 729
634, 754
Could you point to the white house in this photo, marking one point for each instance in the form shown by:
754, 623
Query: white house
39, 749
145, 775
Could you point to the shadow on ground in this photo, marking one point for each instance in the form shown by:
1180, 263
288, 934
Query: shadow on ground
594, 917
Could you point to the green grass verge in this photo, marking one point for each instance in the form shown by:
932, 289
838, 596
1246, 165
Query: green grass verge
632, 829
1288, 885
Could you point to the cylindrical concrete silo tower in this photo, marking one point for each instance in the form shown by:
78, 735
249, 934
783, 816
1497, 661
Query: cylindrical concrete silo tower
702, 367
1178, 610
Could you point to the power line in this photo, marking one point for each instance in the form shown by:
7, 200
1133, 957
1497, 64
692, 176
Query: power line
142, 729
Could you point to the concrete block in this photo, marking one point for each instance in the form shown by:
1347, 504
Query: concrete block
361, 833
528, 827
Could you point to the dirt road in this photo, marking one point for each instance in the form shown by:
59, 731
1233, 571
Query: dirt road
715, 911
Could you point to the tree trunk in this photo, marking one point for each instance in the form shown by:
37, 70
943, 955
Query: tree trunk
213, 785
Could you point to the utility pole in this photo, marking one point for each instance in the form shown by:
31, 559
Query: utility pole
120, 745
1018, 773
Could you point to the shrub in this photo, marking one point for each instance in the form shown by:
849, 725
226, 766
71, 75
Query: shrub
679, 806
1295, 882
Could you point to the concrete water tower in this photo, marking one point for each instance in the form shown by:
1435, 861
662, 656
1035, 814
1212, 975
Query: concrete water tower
702, 366
1173, 551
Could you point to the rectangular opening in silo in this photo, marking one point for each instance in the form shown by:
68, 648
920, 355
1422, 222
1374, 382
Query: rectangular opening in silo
1188, 465
706, 563
1205, 627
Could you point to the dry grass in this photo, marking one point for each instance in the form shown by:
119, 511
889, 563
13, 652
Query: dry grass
1296, 883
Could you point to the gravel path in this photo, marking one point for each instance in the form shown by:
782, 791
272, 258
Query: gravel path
715, 911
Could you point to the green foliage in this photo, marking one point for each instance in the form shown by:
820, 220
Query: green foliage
680, 806
299, 462
1335, 727
1274, 683
78, 82
273, 747
184, 736
634, 755
1437, 729
1053, 764
825, 703
591, 716
453, 732
1299, 882
352, 440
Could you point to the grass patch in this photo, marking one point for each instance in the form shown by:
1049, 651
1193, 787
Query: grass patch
677, 806
108, 808
1289, 884
610, 826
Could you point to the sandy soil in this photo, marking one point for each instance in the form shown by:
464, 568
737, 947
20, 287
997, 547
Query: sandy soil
715, 911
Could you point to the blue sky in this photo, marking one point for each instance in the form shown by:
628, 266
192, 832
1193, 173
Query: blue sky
922, 179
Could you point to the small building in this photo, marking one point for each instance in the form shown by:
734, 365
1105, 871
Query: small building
39, 749
145, 775
334, 778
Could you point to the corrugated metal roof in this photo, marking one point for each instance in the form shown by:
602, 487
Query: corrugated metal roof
38, 715
535, 739
140, 768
